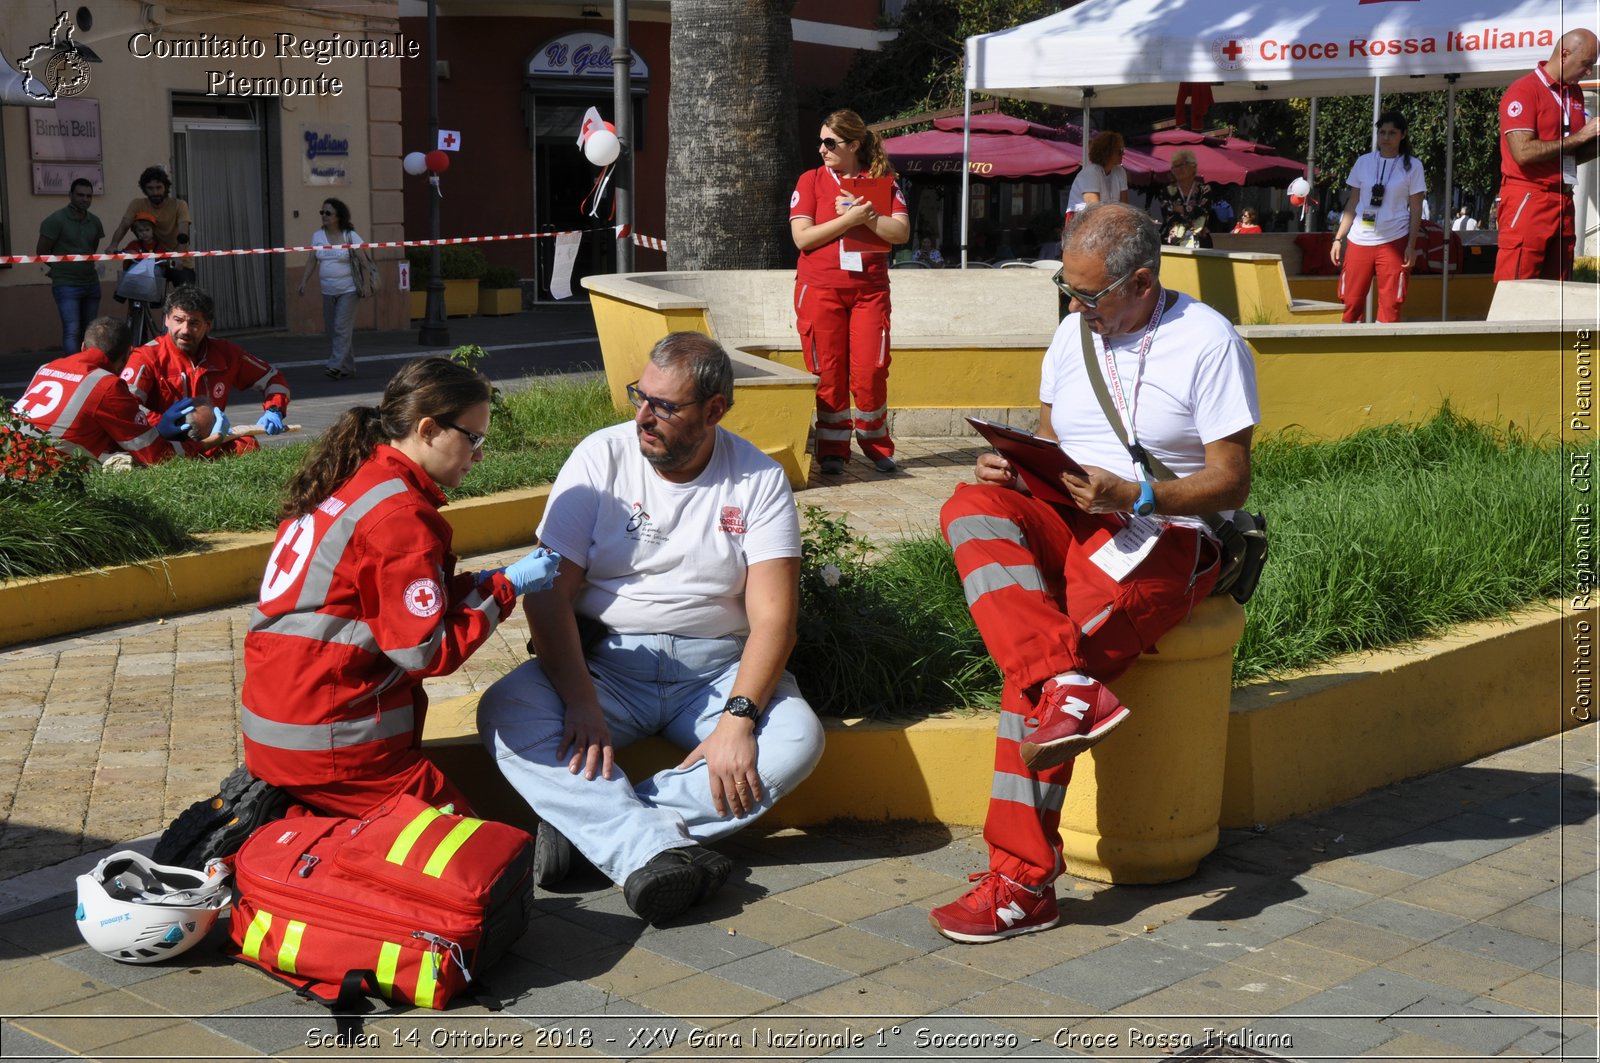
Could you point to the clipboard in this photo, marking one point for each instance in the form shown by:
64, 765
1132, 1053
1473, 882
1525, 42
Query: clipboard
1040, 462
879, 191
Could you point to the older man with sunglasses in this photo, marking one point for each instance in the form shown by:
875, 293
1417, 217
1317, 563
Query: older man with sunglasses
1067, 597
674, 613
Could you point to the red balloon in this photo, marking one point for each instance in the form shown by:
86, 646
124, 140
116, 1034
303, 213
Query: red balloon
438, 161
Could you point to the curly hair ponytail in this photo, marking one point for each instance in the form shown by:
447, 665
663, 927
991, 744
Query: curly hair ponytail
870, 156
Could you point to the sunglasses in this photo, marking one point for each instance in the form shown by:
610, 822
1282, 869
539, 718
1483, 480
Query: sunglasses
660, 407
1084, 299
325, 213
476, 439
830, 143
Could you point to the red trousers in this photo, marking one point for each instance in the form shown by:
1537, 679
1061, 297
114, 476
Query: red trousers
1361, 261
1043, 608
1537, 234
844, 336
356, 797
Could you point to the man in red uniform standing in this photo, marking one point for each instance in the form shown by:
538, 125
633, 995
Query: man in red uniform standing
1544, 134
82, 401
188, 363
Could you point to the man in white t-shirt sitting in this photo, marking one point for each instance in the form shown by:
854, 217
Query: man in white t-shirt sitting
1067, 597
673, 614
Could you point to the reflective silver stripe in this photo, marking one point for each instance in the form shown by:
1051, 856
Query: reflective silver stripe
140, 442
277, 389
980, 526
1099, 618
833, 416
64, 418
317, 737
883, 347
487, 604
413, 658
872, 415
872, 433
330, 550
1024, 790
834, 433
1014, 727
1520, 208
321, 627
981, 581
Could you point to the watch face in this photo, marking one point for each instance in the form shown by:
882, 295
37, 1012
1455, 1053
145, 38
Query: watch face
740, 707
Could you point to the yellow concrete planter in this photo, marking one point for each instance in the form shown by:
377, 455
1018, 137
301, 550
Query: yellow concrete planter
498, 302
460, 300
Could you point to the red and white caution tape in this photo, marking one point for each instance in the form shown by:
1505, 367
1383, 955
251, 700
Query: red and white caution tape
620, 230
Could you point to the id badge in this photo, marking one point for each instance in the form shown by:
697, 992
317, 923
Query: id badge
1121, 554
1369, 221
850, 261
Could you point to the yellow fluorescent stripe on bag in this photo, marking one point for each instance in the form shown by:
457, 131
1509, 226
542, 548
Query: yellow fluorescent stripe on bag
408, 837
427, 980
447, 849
291, 946
388, 962
253, 937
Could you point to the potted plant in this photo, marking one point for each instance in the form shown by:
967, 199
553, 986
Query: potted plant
498, 292
460, 266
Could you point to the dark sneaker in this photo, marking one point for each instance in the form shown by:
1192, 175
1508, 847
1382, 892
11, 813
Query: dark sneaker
832, 466
552, 856
665, 886
714, 866
1074, 714
995, 909
210, 829
884, 464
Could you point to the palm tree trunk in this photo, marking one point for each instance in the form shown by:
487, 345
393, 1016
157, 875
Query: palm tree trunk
731, 135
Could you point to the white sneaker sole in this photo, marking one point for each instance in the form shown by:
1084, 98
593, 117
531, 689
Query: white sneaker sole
999, 935
1043, 756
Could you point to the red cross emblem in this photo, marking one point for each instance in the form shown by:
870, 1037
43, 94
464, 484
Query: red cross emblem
423, 597
43, 399
288, 559
449, 141
1232, 51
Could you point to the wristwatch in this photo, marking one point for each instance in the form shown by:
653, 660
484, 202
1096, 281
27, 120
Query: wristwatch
1147, 499
741, 707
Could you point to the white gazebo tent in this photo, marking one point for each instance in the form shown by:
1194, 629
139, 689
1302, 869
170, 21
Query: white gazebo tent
1122, 53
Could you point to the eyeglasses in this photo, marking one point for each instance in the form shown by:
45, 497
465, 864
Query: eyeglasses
325, 213
476, 439
830, 143
660, 407
1087, 301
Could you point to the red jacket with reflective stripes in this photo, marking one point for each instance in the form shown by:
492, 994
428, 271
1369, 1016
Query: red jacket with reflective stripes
79, 400
359, 604
160, 374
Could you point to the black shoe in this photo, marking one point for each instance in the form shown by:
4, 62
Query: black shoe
832, 466
714, 866
552, 856
665, 886
884, 465
218, 826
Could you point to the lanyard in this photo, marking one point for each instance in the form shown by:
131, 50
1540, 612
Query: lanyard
1560, 93
1383, 167
1127, 410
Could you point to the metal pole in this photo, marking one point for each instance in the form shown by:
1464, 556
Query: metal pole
966, 154
622, 104
434, 331
1449, 187
1377, 100
1312, 212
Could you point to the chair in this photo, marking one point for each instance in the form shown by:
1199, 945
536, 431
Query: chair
909, 263
979, 265
1016, 263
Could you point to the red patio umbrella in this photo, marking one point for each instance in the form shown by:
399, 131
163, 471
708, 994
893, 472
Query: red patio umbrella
1225, 160
1004, 147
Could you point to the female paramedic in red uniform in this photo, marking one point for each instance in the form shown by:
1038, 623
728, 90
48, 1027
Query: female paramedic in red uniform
841, 298
361, 602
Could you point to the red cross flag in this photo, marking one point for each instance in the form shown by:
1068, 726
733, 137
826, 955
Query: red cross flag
449, 140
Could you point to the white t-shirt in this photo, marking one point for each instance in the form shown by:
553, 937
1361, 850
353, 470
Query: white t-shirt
1199, 386
333, 262
663, 557
1393, 219
1093, 178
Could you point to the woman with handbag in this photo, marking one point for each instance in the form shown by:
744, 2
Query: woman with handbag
347, 274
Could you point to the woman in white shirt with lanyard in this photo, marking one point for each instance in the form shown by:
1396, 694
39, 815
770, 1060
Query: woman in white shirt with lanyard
334, 262
1381, 223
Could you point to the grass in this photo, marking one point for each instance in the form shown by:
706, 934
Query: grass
1389, 536
1586, 268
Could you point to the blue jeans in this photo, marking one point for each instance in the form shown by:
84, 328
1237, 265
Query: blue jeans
647, 684
339, 318
77, 304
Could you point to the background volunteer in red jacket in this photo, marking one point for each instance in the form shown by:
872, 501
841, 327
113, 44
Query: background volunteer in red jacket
1544, 134
187, 362
82, 401
361, 602
841, 298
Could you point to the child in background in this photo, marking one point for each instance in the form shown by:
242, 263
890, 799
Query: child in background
1248, 221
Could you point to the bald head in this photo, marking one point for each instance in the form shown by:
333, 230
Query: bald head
1574, 56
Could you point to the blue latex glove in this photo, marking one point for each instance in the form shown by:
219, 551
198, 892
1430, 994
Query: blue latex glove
272, 421
536, 572
171, 425
222, 427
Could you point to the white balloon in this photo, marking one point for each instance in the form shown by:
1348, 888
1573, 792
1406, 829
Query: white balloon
602, 147
1299, 187
415, 163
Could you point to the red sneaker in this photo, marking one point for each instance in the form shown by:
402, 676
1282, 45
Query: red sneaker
1071, 717
994, 909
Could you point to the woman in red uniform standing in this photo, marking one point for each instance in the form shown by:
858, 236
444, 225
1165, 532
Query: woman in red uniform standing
361, 602
841, 296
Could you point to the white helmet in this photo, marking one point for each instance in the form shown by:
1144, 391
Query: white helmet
138, 911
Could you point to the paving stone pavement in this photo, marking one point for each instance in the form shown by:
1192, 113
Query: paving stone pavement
1452, 916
